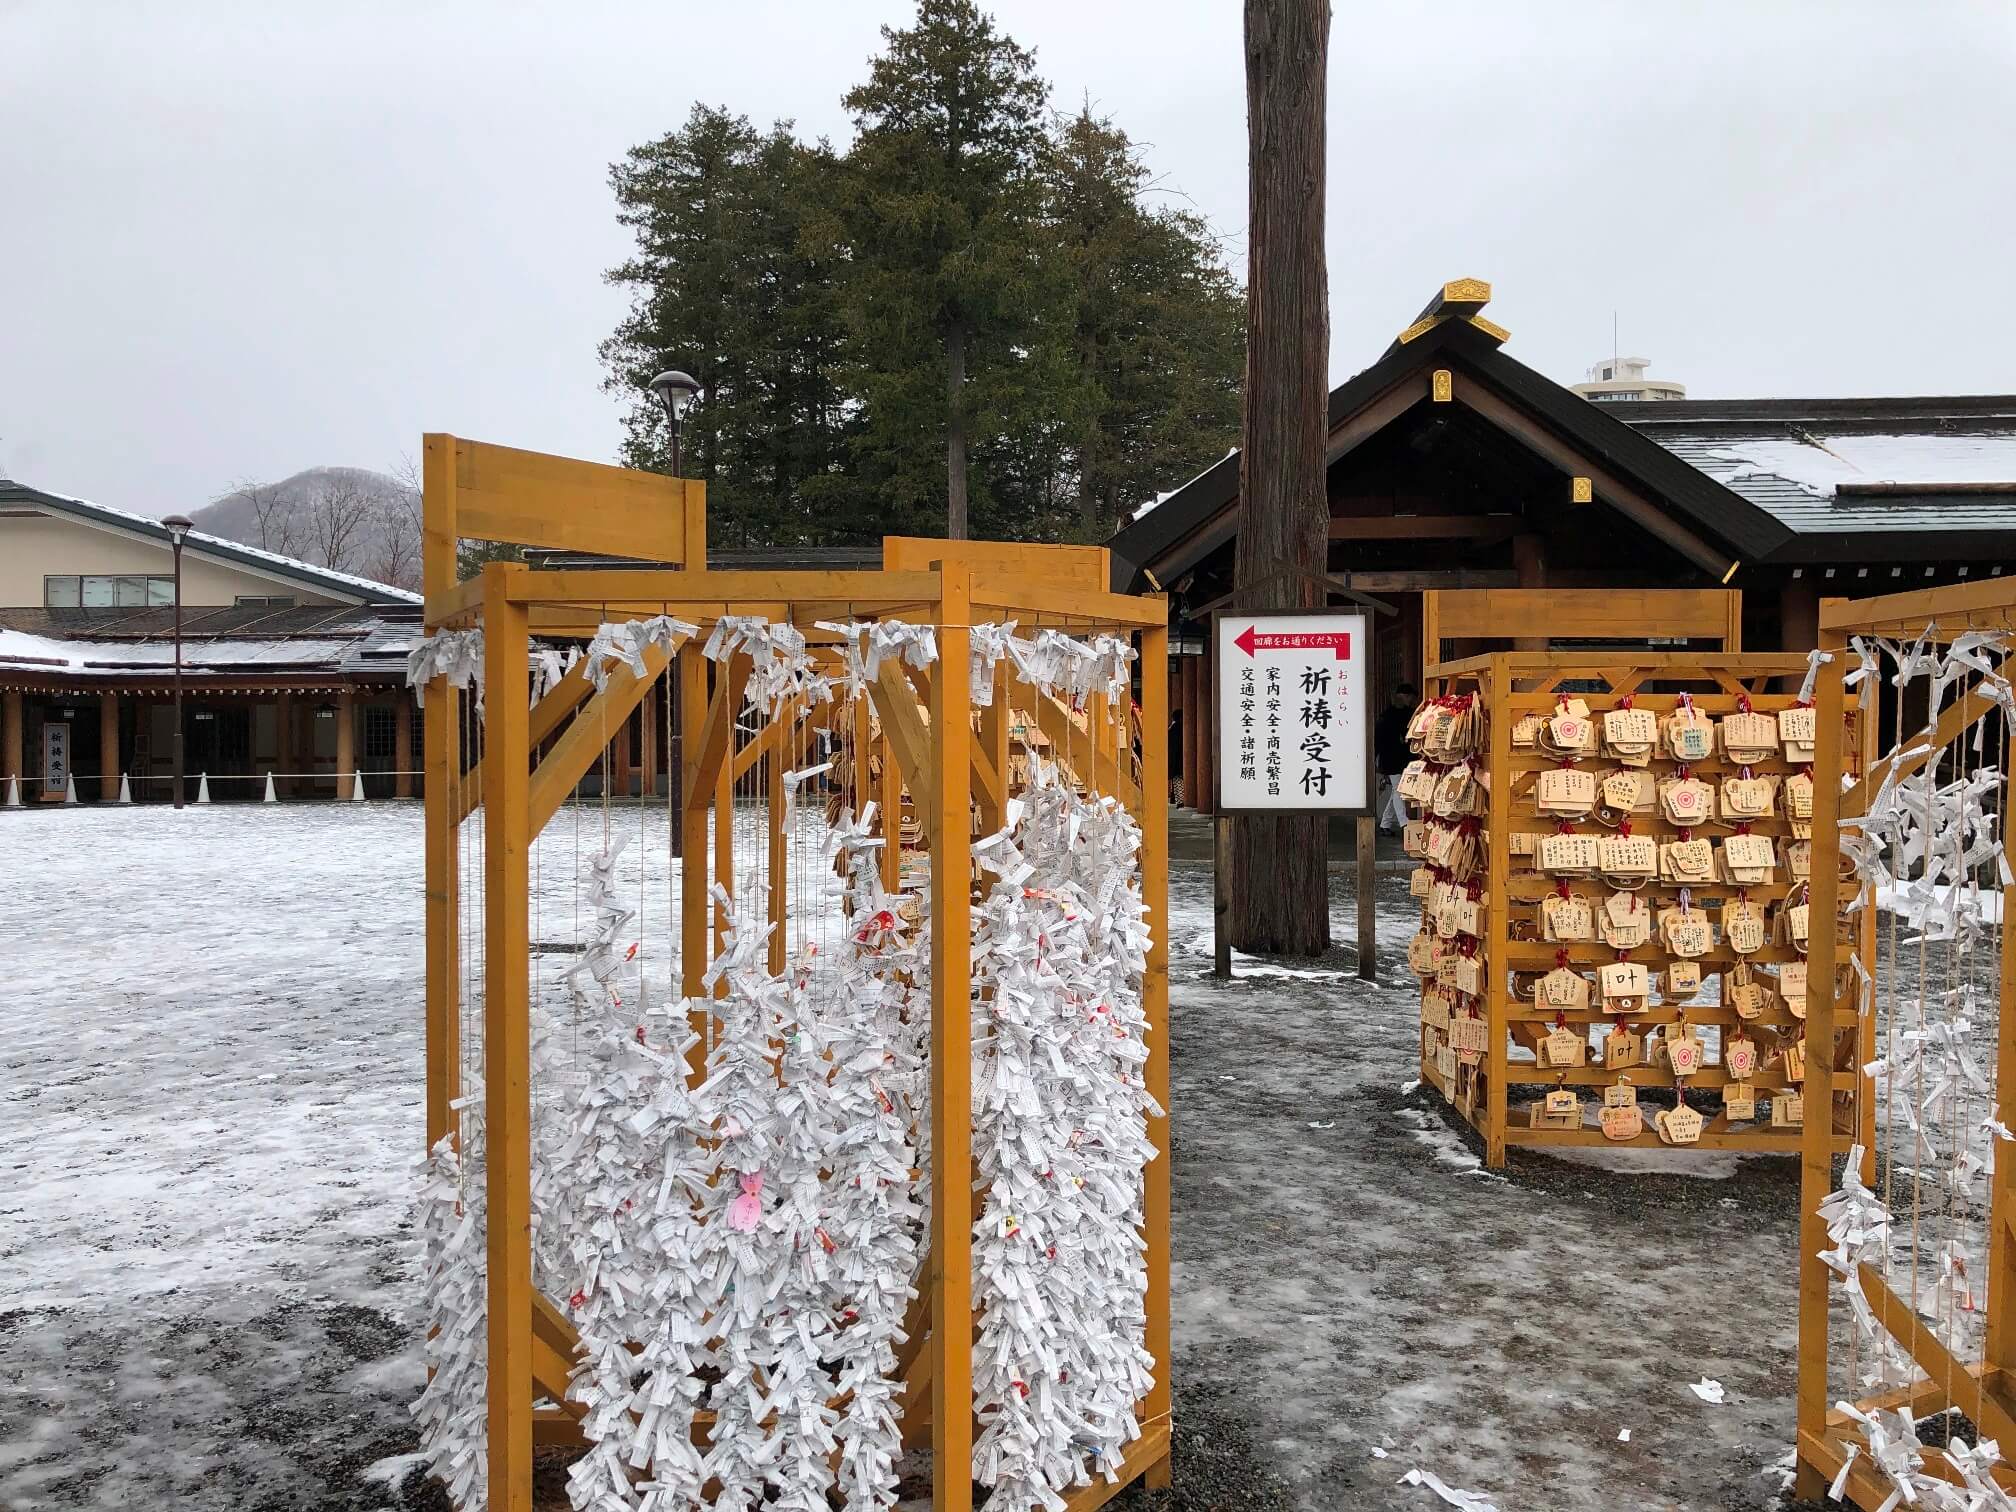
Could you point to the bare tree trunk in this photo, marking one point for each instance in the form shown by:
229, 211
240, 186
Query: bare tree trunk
955, 431
1280, 875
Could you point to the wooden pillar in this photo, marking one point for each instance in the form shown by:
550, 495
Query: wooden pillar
950, 1276
1495, 928
1207, 692
11, 751
1816, 1165
346, 741
402, 745
647, 744
507, 1023
994, 740
1798, 617
443, 785
1155, 1207
1187, 703
694, 801
1368, 894
108, 747
779, 757
1530, 562
619, 762
283, 742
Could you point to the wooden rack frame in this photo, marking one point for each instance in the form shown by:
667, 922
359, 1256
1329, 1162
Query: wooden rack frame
1984, 1389
1540, 615
930, 749
1515, 683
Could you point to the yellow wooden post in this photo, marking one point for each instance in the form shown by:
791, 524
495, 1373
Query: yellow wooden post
1498, 869
951, 1265
1816, 1165
1998, 1348
889, 798
724, 831
1155, 1004
442, 764
507, 1076
694, 802
781, 755
994, 741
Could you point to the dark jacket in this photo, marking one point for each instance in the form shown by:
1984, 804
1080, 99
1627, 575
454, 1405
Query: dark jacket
1389, 741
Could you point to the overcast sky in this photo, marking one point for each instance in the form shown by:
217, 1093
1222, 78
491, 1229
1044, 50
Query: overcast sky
243, 239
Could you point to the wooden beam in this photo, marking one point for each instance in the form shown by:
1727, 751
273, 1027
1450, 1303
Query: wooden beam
1421, 527
441, 765
1141, 1460
1956, 606
1647, 513
692, 693
1421, 582
715, 735
1915, 1334
507, 1022
1075, 566
1816, 1144
1156, 1193
909, 741
757, 749
711, 593
1616, 613
532, 499
1013, 591
453, 604
598, 723
1071, 746
951, 1275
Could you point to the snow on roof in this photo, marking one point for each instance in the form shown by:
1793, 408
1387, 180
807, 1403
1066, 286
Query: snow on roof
1796, 470
1161, 498
22, 651
1819, 465
223, 546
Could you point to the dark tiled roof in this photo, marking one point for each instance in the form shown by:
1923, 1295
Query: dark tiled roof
1923, 466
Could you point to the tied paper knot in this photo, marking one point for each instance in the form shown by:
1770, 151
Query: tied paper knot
745, 1213
456, 655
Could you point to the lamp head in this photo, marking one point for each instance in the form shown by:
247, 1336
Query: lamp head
674, 390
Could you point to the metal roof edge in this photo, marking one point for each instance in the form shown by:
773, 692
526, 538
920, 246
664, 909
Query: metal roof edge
361, 589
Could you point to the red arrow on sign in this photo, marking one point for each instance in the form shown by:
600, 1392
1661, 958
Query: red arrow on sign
1251, 640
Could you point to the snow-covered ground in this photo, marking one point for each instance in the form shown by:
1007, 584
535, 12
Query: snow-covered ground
210, 1034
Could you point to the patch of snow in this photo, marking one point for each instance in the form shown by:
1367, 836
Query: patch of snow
1709, 1391
1820, 469
391, 1472
1706, 1165
1448, 1146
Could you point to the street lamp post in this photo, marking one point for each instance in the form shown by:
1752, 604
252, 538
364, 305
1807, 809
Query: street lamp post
178, 527
675, 390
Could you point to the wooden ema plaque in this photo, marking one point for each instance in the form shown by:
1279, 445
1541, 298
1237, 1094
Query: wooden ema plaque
1621, 1048
1557, 1110
1679, 1126
1788, 1111
1739, 1101
1621, 1117
1562, 1048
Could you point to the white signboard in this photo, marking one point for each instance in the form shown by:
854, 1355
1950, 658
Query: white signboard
1294, 718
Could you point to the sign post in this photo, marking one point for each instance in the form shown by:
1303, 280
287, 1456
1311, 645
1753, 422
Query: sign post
1292, 730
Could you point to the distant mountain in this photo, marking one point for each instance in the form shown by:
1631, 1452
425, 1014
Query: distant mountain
350, 519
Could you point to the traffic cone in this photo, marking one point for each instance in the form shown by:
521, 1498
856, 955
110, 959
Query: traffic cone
271, 796
203, 788
125, 789
70, 791
357, 787
13, 792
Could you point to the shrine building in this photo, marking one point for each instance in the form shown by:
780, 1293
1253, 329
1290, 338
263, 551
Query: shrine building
1451, 465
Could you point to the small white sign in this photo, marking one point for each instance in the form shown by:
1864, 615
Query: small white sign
1294, 724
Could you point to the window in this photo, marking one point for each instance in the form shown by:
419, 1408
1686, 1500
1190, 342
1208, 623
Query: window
64, 591
264, 601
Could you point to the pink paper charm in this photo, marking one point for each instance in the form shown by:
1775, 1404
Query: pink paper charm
746, 1211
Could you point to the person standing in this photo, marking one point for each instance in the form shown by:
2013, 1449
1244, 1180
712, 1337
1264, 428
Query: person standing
1390, 756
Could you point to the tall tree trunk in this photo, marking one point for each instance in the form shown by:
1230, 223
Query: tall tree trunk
1280, 875
955, 431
